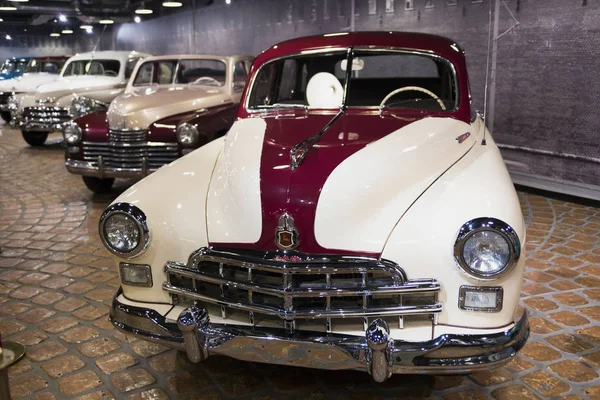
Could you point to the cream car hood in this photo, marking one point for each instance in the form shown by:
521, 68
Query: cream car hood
142, 107
77, 84
28, 82
347, 195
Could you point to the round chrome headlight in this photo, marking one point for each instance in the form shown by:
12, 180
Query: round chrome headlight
72, 133
124, 231
487, 248
187, 134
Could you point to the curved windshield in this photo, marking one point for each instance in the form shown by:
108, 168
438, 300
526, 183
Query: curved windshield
11, 66
49, 66
385, 79
193, 71
93, 67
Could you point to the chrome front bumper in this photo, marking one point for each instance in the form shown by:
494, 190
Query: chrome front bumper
376, 352
87, 168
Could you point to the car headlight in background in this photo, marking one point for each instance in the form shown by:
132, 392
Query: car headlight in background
83, 106
13, 103
72, 133
487, 248
124, 230
187, 134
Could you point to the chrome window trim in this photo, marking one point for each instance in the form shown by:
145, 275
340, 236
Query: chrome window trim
487, 224
361, 49
499, 298
147, 269
140, 219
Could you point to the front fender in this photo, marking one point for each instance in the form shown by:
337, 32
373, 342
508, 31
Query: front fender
423, 240
174, 201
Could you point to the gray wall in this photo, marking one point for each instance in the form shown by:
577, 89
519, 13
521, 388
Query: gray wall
548, 89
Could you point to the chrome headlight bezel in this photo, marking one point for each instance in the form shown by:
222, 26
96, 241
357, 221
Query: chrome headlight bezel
191, 130
487, 224
70, 130
81, 106
138, 217
13, 103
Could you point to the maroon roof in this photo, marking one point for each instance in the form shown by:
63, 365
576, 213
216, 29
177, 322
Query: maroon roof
407, 40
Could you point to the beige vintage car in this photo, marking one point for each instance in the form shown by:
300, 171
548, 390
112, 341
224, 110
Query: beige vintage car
172, 105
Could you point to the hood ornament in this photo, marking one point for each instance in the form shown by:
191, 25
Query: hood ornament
286, 234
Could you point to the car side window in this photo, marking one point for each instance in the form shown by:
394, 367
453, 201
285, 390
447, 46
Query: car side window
240, 76
144, 75
130, 66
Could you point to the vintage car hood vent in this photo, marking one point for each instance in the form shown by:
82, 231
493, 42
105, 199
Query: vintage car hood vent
366, 169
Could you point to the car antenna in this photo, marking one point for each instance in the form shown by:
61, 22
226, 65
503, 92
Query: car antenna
99, 37
487, 74
299, 151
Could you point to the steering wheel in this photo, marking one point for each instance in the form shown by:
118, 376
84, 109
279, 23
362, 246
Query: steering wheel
207, 80
416, 89
110, 73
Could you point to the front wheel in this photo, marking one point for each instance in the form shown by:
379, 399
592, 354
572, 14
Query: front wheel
34, 138
98, 185
6, 116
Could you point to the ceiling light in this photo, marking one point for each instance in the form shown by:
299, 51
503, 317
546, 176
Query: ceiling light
19, 1
171, 4
227, 1
7, 8
85, 26
89, 29
8, 37
143, 11
137, 19
67, 32
55, 34
62, 18
1, 20
106, 21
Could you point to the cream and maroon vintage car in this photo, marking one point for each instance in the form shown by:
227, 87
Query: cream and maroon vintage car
358, 215
172, 105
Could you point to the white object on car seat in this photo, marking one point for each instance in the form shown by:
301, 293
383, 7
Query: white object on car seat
324, 90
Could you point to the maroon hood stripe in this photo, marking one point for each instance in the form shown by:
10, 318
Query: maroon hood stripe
298, 191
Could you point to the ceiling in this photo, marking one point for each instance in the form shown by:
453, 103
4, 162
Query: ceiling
43, 15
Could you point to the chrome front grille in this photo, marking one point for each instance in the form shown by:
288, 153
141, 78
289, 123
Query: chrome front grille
312, 295
129, 150
46, 116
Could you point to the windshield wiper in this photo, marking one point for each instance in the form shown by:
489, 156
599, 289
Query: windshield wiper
299, 151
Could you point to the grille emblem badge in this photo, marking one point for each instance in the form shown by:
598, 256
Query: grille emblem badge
286, 234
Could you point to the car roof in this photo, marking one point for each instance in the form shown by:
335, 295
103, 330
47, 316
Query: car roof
442, 46
194, 56
109, 54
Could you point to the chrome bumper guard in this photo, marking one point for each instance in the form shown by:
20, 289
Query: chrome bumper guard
101, 171
376, 352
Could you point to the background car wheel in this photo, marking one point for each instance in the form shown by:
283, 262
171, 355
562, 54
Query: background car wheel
98, 185
5, 116
35, 138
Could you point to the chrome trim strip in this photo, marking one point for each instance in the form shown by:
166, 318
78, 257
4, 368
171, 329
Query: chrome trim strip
487, 224
140, 219
88, 168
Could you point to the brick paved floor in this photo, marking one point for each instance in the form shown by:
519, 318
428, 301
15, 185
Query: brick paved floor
56, 282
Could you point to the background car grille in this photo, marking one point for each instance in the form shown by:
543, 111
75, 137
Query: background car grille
312, 295
126, 149
46, 116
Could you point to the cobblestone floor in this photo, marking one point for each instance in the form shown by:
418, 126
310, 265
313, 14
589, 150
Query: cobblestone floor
56, 282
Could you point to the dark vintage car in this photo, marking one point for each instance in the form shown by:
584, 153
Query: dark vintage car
357, 215
172, 105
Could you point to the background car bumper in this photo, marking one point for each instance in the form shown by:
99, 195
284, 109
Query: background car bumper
98, 170
376, 352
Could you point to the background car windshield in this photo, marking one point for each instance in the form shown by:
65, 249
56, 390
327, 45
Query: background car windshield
374, 76
13, 66
165, 72
52, 67
284, 81
93, 67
